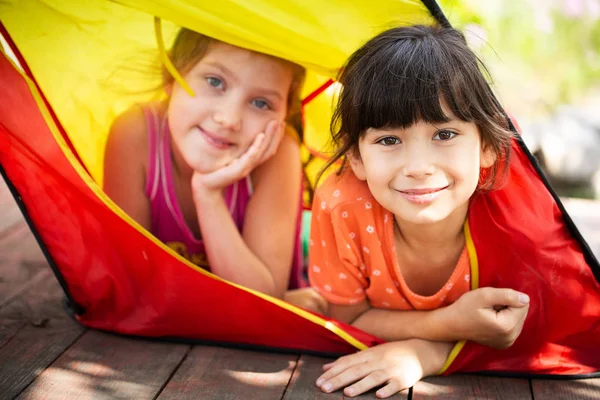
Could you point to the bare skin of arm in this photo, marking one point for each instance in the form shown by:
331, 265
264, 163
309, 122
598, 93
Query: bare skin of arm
407, 357
395, 365
264, 249
490, 316
125, 164
261, 257
385, 323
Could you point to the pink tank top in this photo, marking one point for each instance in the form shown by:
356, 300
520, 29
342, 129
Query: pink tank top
168, 224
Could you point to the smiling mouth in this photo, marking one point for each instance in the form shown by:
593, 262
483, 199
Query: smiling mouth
422, 196
214, 140
422, 191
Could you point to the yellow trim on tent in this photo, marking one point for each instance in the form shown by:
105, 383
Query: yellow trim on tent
109, 203
90, 77
317, 34
472, 257
474, 285
165, 58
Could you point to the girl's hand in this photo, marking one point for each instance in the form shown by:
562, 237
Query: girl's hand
263, 147
397, 365
489, 316
307, 298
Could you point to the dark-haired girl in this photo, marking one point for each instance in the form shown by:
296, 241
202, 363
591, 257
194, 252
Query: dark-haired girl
422, 135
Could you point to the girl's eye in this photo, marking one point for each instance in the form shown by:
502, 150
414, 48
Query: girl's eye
444, 135
260, 104
215, 82
389, 141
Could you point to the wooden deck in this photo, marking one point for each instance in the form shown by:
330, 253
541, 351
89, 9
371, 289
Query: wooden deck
44, 354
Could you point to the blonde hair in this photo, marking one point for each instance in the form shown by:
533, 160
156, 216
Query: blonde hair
190, 47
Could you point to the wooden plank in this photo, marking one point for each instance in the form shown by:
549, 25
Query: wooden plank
19, 244
10, 214
35, 331
22, 263
472, 387
582, 389
105, 366
221, 373
16, 278
36, 307
29, 275
302, 385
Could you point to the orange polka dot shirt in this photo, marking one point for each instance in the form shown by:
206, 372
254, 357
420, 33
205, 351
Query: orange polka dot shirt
352, 254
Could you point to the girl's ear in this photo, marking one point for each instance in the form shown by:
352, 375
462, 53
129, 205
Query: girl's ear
356, 164
487, 157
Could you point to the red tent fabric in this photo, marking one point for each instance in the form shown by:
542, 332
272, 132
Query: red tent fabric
119, 279
525, 240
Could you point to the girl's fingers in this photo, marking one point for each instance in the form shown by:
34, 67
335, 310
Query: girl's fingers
219, 178
337, 367
274, 133
390, 389
326, 367
490, 297
331, 372
263, 146
268, 134
373, 379
246, 162
238, 168
346, 377
343, 363
254, 151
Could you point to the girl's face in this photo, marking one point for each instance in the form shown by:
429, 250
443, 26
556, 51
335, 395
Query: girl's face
237, 92
425, 173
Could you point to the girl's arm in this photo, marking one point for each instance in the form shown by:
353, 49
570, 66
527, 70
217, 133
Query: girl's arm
489, 316
125, 162
395, 366
261, 257
400, 364
391, 325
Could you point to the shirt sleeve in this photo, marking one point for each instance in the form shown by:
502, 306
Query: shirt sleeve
333, 257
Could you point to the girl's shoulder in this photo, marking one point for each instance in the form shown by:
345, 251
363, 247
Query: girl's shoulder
132, 123
127, 143
129, 132
343, 189
125, 164
129, 129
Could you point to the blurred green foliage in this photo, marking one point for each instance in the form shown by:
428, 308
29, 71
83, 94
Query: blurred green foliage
541, 53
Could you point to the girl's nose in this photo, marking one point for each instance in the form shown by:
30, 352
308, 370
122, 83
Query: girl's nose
417, 163
228, 116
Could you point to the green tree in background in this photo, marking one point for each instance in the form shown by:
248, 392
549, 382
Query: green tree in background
541, 53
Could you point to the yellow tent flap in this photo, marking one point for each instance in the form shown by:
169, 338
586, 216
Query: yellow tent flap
95, 58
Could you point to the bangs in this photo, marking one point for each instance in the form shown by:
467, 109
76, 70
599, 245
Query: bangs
406, 81
406, 75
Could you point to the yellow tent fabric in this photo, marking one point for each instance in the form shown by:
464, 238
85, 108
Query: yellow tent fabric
91, 58
94, 58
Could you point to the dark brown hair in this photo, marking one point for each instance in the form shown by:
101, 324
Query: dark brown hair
402, 76
190, 47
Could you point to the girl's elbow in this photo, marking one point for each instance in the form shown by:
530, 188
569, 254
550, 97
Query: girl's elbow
273, 291
270, 287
